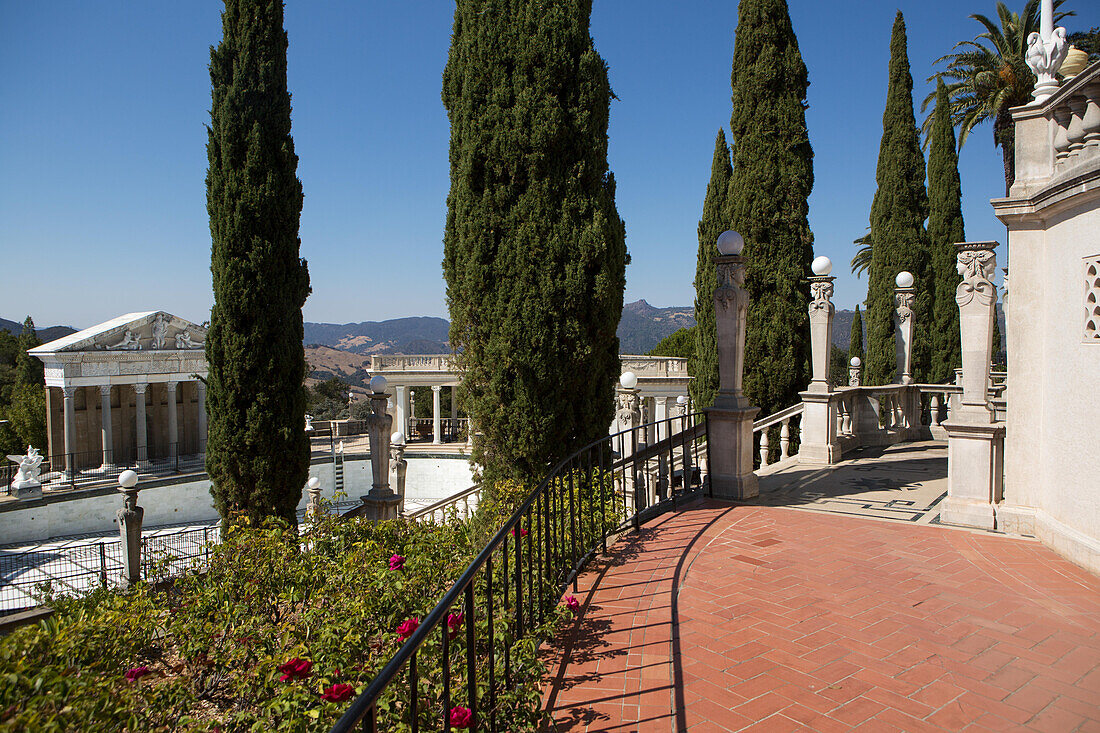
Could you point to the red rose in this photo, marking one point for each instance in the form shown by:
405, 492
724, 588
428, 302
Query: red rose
407, 627
461, 717
337, 692
295, 669
454, 621
136, 673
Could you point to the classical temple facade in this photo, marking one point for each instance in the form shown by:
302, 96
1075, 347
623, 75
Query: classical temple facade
126, 392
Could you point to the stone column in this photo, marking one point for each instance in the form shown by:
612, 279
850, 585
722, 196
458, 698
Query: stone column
408, 428
140, 434
69, 429
380, 502
399, 467
904, 296
628, 416
454, 402
201, 387
975, 444
401, 409
819, 438
173, 424
106, 435
730, 419
437, 418
660, 414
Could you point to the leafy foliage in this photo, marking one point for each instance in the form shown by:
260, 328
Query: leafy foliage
862, 259
945, 228
680, 343
767, 201
703, 363
22, 394
988, 76
898, 212
534, 249
257, 449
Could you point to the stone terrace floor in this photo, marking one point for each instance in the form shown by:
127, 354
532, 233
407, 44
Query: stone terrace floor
722, 617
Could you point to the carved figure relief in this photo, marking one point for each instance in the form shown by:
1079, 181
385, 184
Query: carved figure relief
1092, 299
627, 408
28, 466
184, 341
129, 342
731, 287
976, 267
821, 293
904, 303
160, 331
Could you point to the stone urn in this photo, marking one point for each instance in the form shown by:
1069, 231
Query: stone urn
1075, 62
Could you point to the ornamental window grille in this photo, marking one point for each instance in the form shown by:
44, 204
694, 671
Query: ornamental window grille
1092, 298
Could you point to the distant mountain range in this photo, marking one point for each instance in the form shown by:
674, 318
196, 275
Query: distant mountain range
45, 335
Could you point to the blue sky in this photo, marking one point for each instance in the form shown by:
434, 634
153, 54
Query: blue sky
102, 145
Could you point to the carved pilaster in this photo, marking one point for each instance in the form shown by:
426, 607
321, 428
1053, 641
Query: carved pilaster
821, 326
731, 303
976, 296
904, 299
381, 501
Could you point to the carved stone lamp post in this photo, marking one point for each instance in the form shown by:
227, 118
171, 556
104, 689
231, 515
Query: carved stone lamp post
313, 487
975, 443
819, 443
730, 419
904, 297
129, 529
381, 502
855, 369
399, 467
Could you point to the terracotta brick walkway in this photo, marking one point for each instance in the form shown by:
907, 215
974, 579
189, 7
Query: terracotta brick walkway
722, 617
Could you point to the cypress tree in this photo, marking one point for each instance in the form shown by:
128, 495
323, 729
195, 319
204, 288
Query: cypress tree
855, 346
897, 225
534, 249
29, 371
703, 366
945, 228
771, 181
257, 449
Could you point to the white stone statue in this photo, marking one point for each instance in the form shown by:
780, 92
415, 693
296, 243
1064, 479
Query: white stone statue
28, 467
129, 342
160, 331
309, 422
184, 341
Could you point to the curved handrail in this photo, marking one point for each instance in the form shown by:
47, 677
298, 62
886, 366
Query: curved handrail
363, 705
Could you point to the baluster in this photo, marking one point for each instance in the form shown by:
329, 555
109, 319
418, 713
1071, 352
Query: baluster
1091, 121
764, 447
784, 439
935, 409
845, 416
1075, 133
1061, 134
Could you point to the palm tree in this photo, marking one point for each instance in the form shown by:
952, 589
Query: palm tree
862, 260
988, 76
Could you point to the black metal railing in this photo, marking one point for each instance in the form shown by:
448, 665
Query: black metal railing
514, 583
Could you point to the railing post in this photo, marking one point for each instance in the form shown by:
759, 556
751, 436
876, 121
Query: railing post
935, 408
975, 441
785, 439
819, 418
729, 421
764, 447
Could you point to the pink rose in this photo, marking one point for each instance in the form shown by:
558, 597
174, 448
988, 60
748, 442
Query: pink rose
295, 669
338, 692
397, 562
136, 673
522, 532
572, 603
461, 717
407, 627
454, 621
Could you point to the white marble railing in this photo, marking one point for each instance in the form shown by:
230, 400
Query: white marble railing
1074, 112
655, 366
467, 500
411, 363
763, 427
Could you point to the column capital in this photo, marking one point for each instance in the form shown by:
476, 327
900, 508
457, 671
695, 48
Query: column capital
105, 390
69, 391
201, 386
171, 386
437, 387
139, 387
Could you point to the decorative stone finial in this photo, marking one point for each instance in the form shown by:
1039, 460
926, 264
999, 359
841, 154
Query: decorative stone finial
1046, 50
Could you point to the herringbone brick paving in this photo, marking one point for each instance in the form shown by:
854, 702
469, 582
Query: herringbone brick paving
726, 618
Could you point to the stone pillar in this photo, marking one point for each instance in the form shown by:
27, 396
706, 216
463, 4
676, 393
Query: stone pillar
409, 430
380, 502
730, 419
173, 423
401, 408
855, 369
904, 296
106, 435
437, 418
660, 414
819, 435
129, 529
201, 387
140, 435
454, 402
69, 429
399, 468
975, 444
628, 416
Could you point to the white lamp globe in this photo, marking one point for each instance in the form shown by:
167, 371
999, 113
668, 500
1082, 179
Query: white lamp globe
629, 380
313, 482
904, 279
127, 479
856, 361
378, 384
398, 438
822, 265
682, 400
730, 243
